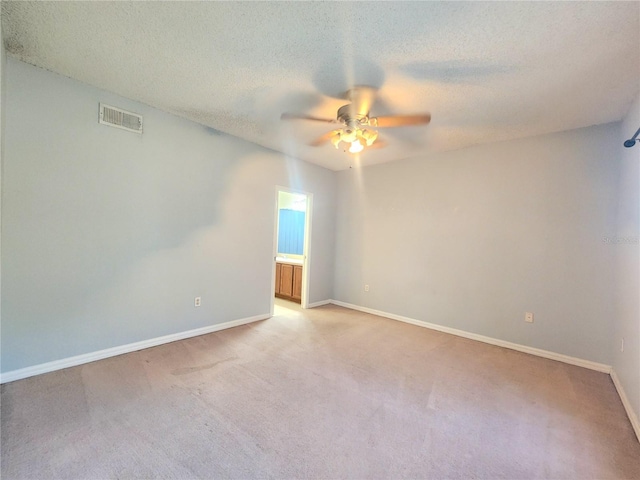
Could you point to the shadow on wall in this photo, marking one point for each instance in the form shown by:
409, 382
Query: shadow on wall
220, 261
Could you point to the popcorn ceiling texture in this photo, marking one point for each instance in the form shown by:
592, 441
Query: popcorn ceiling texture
486, 71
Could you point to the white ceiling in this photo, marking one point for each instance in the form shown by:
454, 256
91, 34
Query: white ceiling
485, 71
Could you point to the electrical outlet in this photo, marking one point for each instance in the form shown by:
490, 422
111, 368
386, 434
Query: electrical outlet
528, 317
366, 288
197, 301
622, 344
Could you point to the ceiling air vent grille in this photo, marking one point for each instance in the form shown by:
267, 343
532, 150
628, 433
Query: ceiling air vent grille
116, 117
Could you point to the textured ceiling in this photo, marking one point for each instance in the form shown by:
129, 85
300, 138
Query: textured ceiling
485, 71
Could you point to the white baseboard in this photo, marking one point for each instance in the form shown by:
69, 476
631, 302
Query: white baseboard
633, 418
600, 367
319, 304
114, 351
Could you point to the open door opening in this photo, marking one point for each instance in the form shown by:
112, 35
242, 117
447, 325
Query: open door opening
291, 247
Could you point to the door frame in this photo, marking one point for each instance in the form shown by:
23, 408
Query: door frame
306, 248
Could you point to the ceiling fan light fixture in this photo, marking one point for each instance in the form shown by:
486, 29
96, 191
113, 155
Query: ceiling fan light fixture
335, 140
356, 147
369, 136
349, 136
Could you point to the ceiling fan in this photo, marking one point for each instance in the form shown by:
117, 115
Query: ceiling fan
355, 125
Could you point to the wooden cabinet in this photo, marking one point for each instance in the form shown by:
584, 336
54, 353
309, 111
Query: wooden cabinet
297, 283
289, 281
278, 276
286, 280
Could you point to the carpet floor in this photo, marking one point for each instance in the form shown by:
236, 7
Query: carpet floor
325, 393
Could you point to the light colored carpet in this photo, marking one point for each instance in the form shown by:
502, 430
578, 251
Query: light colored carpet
324, 393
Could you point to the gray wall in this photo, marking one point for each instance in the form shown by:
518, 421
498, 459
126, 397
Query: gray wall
2, 110
108, 236
473, 239
627, 320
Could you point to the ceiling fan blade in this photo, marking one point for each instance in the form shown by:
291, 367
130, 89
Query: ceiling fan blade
296, 116
400, 120
362, 98
323, 139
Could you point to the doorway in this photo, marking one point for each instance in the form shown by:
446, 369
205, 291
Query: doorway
292, 241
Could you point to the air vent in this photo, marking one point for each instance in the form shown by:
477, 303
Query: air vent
116, 117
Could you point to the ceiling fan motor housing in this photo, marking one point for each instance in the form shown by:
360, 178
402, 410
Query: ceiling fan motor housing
351, 119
